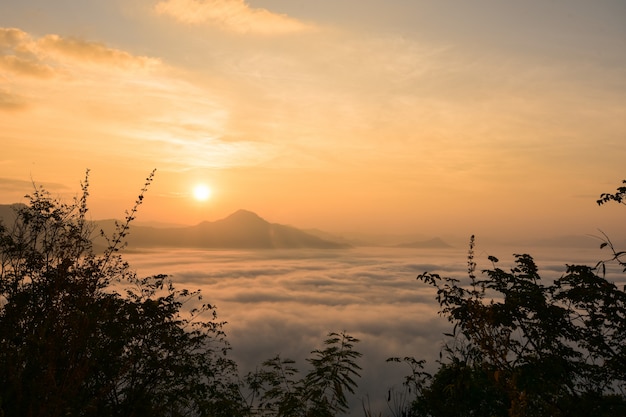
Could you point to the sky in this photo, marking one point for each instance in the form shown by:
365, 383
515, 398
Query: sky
499, 118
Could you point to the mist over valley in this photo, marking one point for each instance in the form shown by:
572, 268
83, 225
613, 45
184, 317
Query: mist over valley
285, 301
281, 289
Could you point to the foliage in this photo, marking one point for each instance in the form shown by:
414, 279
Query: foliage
456, 387
81, 334
399, 402
619, 196
523, 347
277, 391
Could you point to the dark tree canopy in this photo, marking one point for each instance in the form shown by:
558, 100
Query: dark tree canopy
523, 346
618, 196
81, 334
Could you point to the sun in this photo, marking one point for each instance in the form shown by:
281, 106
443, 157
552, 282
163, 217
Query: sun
201, 192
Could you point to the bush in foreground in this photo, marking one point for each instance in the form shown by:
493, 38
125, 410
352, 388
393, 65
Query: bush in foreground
81, 334
522, 346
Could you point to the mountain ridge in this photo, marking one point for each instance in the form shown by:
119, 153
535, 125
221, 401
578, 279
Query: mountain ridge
242, 229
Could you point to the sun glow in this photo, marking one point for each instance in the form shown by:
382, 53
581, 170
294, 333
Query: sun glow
201, 192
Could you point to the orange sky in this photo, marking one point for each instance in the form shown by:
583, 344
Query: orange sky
498, 118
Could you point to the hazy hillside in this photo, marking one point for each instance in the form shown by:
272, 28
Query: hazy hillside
7, 213
241, 230
435, 243
331, 237
246, 230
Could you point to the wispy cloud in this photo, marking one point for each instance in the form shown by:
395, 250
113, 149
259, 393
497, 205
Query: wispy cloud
232, 15
19, 54
10, 101
12, 184
134, 103
94, 52
25, 66
44, 57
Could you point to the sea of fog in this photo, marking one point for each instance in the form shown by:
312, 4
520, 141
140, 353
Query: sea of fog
286, 301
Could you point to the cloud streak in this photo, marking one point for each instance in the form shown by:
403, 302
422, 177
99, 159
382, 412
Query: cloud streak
12, 184
230, 15
19, 54
11, 102
46, 56
93, 52
106, 103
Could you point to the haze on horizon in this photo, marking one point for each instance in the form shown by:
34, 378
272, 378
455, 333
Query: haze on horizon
485, 117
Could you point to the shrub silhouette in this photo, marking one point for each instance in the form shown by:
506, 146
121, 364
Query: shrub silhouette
276, 390
521, 346
81, 334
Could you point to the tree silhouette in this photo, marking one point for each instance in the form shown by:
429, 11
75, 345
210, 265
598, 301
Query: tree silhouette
522, 346
81, 334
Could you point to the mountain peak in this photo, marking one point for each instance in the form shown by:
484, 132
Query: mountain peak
242, 215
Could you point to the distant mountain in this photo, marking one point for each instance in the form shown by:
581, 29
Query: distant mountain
241, 230
330, 237
7, 212
435, 243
